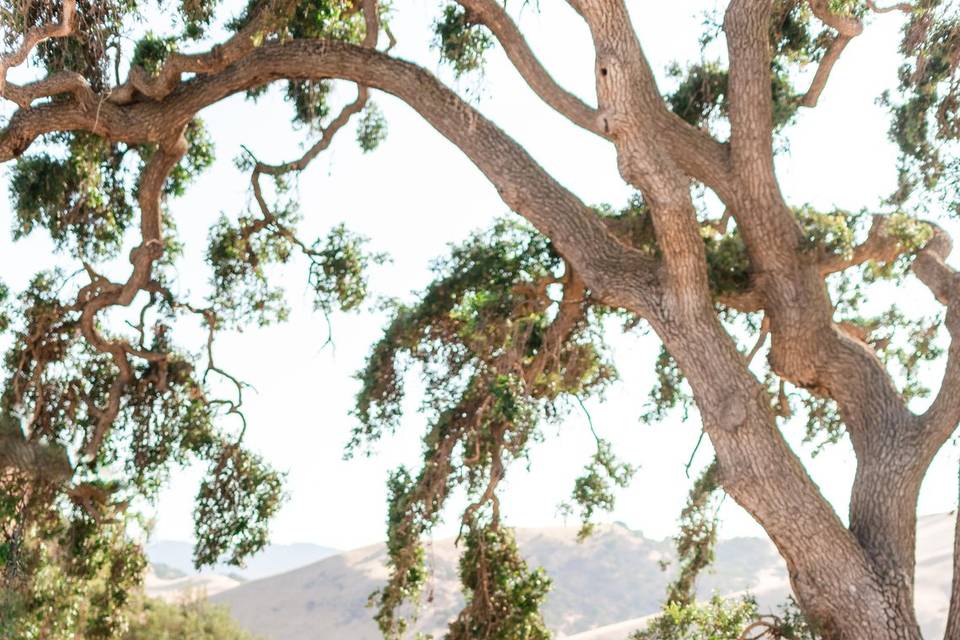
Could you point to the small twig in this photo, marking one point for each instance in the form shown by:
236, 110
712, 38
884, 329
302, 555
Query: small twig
589, 420
696, 447
905, 7
724, 221
762, 338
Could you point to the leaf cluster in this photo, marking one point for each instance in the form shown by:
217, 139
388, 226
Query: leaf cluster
462, 42
926, 105
501, 336
503, 596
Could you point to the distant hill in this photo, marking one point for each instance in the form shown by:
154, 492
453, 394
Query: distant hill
186, 587
166, 556
603, 589
933, 581
166, 572
613, 576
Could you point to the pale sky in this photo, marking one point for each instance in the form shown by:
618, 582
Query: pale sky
415, 194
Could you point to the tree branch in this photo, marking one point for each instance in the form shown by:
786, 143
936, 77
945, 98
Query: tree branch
879, 246
326, 138
941, 418
847, 29
631, 106
54, 84
634, 114
176, 64
36, 35
747, 25
905, 7
371, 20
492, 14
101, 293
575, 228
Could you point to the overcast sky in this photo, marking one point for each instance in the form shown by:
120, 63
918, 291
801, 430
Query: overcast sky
417, 193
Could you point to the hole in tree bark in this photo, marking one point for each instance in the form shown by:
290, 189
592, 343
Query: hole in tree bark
603, 71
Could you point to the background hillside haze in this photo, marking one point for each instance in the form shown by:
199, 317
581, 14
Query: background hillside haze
603, 588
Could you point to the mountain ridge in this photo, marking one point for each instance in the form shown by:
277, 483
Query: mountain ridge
602, 589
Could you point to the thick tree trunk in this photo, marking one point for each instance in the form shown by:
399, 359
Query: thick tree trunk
837, 584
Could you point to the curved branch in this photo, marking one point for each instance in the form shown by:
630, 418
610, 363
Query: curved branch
169, 76
905, 7
36, 35
101, 293
880, 246
847, 28
54, 84
492, 14
941, 418
326, 138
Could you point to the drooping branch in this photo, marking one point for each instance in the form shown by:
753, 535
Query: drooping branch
101, 293
520, 354
327, 135
209, 317
36, 35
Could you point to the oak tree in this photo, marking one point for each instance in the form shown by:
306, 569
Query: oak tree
759, 305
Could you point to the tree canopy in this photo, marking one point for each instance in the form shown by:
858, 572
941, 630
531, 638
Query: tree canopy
763, 306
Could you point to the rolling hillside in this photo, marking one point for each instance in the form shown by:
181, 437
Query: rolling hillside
603, 589
171, 575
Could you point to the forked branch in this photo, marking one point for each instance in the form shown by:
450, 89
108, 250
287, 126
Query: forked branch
159, 85
101, 293
492, 15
